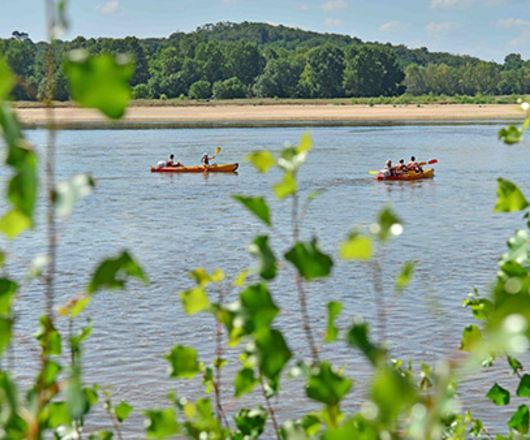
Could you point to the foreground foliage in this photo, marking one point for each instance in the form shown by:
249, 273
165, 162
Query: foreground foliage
403, 399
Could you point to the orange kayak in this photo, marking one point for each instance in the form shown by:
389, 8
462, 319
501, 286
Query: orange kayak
222, 168
409, 175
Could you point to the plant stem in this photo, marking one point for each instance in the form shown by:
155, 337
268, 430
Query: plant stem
302, 298
221, 415
379, 298
50, 163
270, 408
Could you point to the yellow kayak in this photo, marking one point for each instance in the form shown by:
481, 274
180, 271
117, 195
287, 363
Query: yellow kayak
221, 168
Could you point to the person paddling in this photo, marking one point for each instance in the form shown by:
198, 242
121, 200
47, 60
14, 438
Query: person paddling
413, 165
205, 159
171, 162
388, 170
401, 167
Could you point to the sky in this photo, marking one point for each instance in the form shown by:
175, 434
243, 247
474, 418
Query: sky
489, 29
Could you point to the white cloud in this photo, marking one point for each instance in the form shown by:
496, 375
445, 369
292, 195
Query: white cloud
334, 22
393, 26
462, 4
110, 7
439, 28
303, 7
520, 25
510, 23
335, 5
451, 4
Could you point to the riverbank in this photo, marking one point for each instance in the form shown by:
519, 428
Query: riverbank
272, 115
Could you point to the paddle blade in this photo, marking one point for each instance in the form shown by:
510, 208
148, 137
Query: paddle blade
433, 161
217, 150
373, 173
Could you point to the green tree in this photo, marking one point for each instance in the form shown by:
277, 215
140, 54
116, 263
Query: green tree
279, 79
211, 60
230, 88
322, 75
201, 89
415, 80
244, 61
373, 71
513, 61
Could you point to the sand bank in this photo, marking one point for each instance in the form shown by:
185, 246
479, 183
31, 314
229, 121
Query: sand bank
242, 115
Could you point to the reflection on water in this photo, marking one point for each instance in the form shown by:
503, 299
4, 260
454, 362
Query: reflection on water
174, 223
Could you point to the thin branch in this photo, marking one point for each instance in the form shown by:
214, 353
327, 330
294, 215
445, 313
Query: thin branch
379, 298
50, 163
302, 297
270, 408
221, 415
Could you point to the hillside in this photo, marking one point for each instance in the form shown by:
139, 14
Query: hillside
230, 60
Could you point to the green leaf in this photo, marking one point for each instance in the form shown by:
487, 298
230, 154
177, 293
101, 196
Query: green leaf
100, 81
48, 337
326, 385
244, 381
6, 329
273, 353
75, 395
122, 411
251, 422
309, 260
288, 186
514, 364
257, 205
101, 435
358, 338
14, 223
519, 420
8, 290
194, 300
509, 197
7, 79
353, 428
68, 193
471, 337
183, 362
262, 160
258, 308
56, 414
393, 394
114, 272
357, 247
161, 424
523, 390
261, 249
305, 144
334, 310
388, 225
498, 395
405, 276
517, 249
510, 135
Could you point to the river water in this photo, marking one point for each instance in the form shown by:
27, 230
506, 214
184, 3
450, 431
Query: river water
174, 223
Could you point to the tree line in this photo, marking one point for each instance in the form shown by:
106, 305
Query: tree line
227, 60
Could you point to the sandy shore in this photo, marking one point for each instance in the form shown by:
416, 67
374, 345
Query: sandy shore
237, 115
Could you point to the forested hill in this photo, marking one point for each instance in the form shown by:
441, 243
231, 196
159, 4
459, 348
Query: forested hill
289, 38
228, 60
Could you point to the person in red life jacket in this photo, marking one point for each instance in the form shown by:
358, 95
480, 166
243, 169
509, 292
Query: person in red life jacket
414, 166
401, 167
171, 162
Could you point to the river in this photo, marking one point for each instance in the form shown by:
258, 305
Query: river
174, 223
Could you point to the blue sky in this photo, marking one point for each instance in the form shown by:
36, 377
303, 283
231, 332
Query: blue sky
489, 29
